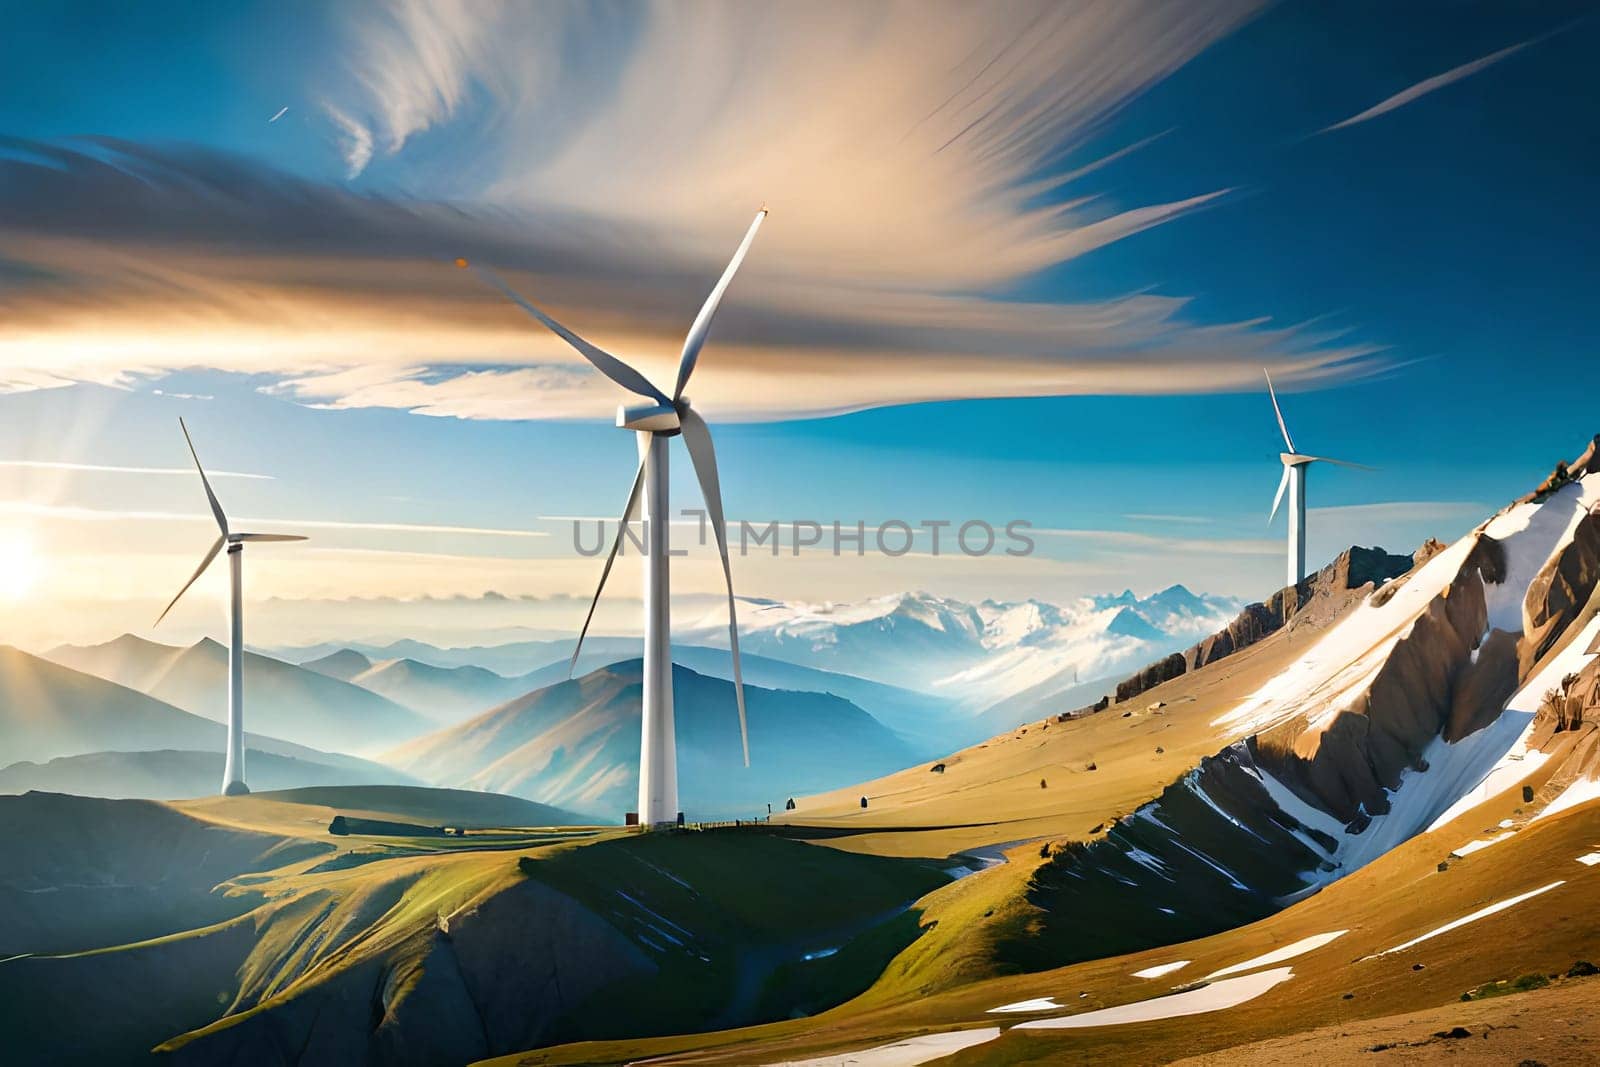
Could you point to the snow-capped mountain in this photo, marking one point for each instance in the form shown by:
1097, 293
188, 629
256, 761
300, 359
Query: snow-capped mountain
1475, 673
981, 654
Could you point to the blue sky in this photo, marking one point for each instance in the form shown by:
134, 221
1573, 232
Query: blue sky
1419, 282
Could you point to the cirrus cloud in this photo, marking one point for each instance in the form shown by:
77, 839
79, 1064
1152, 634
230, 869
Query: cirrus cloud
920, 167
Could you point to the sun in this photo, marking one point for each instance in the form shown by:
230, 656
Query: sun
20, 566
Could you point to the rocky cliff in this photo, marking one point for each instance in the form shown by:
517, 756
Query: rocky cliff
1477, 659
1316, 599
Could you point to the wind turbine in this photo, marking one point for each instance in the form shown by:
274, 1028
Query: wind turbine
233, 769
655, 422
1294, 480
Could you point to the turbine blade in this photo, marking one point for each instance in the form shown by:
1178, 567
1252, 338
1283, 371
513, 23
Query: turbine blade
216, 508
702, 322
1342, 463
697, 437
603, 361
266, 537
1283, 483
1278, 411
211, 554
629, 511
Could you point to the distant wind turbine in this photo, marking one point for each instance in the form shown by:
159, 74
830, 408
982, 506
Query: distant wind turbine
655, 422
233, 769
1294, 480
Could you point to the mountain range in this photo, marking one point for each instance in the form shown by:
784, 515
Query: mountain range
981, 655
294, 703
68, 731
578, 741
940, 671
442, 694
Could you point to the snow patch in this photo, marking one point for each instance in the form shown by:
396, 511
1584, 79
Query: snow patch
1580, 792
1228, 993
1278, 955
1036, 1004
1160, 969
1531, 534
1479, 845
1481, 913
907, 1053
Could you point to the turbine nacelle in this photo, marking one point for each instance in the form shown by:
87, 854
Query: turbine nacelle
234, 542
650, 418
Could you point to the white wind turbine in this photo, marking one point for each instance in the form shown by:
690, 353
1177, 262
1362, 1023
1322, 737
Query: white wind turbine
656, 421
1294, 479
233, 769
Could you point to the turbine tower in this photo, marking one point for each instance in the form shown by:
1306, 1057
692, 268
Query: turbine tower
1294, 480
233, 768
655, 422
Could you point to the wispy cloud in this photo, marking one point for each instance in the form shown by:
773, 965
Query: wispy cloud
99, 468
1428, 85
1153, 543
1145, 517
72, 512
1396, 511
919, 167
355, 141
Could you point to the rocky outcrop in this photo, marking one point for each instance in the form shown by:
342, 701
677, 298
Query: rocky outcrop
1585, 463
1430, 685
1560, 590
1153, 675
1329, 590
1565, 473
1249, 626
1426, 551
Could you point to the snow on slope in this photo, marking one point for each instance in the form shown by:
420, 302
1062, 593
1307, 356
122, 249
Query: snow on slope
1519, 761
1386, 727
1450, 777
1348, 655
1345, 660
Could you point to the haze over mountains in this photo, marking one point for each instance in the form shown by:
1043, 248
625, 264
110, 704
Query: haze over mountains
297, 704
73, 732
941, 671
442, 694
578, 741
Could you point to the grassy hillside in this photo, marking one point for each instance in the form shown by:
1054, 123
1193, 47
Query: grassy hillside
81, 873
308, 810
294, 944
170, 774
990, 792
1354, 976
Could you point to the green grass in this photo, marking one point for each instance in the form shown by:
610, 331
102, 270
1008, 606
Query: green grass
1520, 984
806, 987
726, 917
